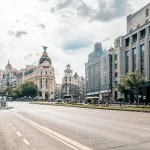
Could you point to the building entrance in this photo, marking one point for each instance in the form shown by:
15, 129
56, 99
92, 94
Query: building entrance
148, 95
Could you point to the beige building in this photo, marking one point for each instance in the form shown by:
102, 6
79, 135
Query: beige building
42, 75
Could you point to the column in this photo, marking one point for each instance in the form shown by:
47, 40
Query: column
138, 53
130, 57
147, 56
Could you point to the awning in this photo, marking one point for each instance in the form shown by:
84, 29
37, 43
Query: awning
91, 97
105, 91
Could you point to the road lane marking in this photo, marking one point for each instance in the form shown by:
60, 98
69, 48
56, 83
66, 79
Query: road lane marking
65, 140
10, 124
13, 128
18, 133
26, 141
7, 121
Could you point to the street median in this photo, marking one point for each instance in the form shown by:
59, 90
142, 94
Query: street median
117, 108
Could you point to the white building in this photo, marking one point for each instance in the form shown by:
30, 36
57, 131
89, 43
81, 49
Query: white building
72, 85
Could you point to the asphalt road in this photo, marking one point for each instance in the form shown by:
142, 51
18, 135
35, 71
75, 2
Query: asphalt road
40, 127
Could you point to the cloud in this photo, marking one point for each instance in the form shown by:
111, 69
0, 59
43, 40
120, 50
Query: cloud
105, 11
42, 26
11, 33
107, 39
64, 4
76, 45
20, 33
52, 10
108, 11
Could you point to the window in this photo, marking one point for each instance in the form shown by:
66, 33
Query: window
142, 58
116, 57
116, 83
146, 12
134, 59
41, 83
127, 41
40, 94
142, 34
116, 66
116, 74
105, 80
105, 60
41, 73
126, 61
45, 72
134, 38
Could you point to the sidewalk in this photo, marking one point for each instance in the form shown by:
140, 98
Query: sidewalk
117, 108
3, 108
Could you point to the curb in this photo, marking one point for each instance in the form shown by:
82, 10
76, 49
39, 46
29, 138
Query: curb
7, 108
93, 107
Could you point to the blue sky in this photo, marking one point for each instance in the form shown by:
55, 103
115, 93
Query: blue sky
68, 27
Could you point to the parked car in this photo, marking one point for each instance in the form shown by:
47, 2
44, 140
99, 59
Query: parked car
58, 100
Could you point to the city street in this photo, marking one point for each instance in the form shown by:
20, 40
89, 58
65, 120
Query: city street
41, 127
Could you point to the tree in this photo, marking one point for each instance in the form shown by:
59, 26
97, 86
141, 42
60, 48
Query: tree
28, 89
130, 83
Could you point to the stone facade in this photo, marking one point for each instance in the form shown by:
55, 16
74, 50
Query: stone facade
8, 77
73, 86
41, 75
98, 71
58, 91
133, 49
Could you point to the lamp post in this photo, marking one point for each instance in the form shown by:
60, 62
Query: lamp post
7, 99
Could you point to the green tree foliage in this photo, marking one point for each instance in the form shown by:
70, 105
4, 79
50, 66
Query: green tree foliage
131, 83
28, 89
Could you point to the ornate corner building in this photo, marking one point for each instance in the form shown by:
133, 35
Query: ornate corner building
72, 86
41, 75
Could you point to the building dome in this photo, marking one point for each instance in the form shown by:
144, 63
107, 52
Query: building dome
8, 67
44, 56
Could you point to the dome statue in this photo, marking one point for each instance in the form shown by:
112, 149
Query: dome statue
8, 67
44, 56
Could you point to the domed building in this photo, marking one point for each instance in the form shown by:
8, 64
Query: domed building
42, 75
44, 57
8, 67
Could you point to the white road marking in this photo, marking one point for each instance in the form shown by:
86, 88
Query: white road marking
13, 128
26, 141
7, 121
10, 124
65, 140
18, 133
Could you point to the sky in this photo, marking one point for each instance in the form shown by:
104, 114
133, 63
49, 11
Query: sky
68, 27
